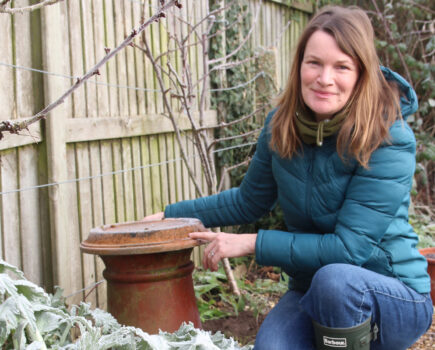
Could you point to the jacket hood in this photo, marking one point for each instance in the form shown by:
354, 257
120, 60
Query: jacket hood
408, 98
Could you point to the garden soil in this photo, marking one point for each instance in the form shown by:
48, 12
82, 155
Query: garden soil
244, 327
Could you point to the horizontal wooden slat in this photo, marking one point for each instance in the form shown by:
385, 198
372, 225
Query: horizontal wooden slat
25, 137
91, 129
299, 5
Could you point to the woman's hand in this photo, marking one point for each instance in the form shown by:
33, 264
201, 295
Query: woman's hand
156, 216
224, 245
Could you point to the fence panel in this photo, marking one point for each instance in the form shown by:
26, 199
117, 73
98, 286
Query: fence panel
279, 25
21, 237
107, 153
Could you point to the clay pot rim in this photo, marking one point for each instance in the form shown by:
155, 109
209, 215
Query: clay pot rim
136, 249
143, 237
428, 250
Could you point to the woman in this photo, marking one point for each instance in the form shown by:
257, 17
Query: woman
339, 158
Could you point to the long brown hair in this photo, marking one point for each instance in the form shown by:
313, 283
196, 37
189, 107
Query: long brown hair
373, 105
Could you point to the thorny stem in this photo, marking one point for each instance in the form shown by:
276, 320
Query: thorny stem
184, 87
147, 51
201, 108
37, 6
225, 170
15, 127
234, 137
224, 124
205, 158
233, 64
225, 66
399, 53
278, 39
159, 67
205, 161
208, 16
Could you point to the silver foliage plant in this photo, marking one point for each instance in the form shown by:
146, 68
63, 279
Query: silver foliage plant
32, 319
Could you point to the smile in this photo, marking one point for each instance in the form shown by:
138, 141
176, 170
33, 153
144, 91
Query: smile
323, 94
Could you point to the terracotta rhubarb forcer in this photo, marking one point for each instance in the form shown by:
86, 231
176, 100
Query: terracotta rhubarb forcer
148, 272
429, 254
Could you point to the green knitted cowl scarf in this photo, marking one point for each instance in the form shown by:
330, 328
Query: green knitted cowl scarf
312, 132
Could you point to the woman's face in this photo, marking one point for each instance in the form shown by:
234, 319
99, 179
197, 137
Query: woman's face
328, 76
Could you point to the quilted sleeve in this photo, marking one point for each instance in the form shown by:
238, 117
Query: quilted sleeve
372, 200
245, 204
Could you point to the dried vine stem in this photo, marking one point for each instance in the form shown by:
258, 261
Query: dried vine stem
157, 69
225, 125
393, 41
181, 84
226, 170
15, 127
244, 41
235, 137
12, 10
210, 15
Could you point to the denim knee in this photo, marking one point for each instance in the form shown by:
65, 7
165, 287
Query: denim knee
334, 297
287, 326
330, 283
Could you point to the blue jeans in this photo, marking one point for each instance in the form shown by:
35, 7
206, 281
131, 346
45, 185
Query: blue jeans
342, 296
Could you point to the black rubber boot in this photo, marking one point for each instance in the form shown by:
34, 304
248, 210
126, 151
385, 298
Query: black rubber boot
353, 338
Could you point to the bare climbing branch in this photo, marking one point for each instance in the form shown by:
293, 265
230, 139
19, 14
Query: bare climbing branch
15, 127
39, 5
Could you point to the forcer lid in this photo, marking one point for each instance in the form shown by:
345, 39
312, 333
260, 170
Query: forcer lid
143, 237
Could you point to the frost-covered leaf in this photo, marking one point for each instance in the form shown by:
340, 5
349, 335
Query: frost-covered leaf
190, 338
48, 321
26, 310
4, 332
57, 299
186, 332
19, 336
38, 307
84, 309
4, 266
32, 292
84, 324
29, 310
36, 345
105, 321
7, 285
9, 318
123, 338
51, 322
89, 340
151, 342
200, 341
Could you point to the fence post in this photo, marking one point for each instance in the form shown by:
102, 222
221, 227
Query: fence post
55, 59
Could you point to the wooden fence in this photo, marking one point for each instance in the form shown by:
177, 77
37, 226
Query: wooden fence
106, 154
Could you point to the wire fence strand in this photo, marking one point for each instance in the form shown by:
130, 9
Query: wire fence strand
90, 287
117, 172
136, 88
72, 77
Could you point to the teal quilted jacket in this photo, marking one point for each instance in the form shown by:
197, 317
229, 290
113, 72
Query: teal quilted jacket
335, 212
